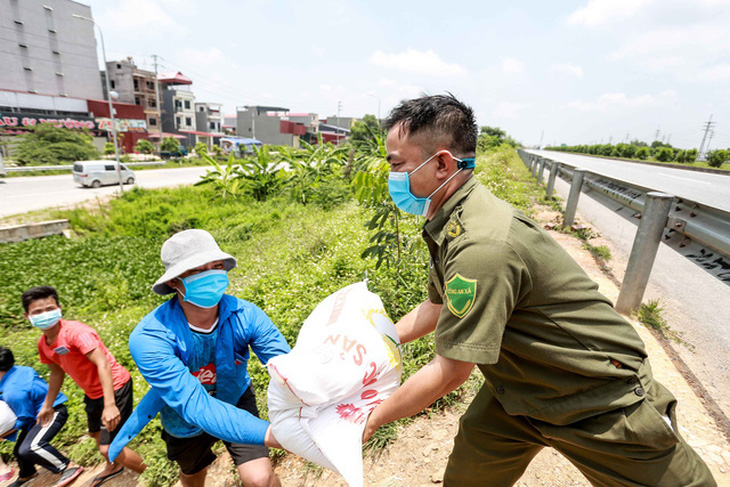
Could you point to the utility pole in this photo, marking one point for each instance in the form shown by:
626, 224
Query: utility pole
627, 137
159, 104
656, 136
712, 134
610, 140
339, 109
709, 125
669, 137
542, 134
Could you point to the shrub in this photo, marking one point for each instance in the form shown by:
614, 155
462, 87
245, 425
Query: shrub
664, 154
144, 146
716, 158
643, 153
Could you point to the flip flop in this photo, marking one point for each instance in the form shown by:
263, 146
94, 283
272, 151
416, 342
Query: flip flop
18, 482
69, 475
100, 480
7, 475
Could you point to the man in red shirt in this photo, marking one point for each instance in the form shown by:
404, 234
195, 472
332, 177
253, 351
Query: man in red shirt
73, 348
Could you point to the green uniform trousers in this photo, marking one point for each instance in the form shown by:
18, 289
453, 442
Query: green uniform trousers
632, 446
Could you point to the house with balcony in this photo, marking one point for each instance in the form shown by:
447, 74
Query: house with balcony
178, 107
137, 87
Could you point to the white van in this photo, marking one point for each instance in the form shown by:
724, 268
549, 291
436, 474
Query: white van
97, 173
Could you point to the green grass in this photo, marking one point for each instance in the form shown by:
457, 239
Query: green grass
290, 257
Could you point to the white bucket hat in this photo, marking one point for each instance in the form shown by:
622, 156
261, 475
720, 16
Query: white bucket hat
187, 250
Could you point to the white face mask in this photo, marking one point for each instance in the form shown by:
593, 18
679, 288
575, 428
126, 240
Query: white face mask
46, 320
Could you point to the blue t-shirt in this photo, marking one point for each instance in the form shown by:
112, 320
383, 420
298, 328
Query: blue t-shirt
201, 366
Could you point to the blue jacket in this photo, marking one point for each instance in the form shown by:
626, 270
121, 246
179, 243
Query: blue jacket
161, 347
24, 391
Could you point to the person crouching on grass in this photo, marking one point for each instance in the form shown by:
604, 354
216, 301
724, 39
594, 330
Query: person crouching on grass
73, 348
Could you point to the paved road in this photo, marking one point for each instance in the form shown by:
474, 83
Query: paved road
701, 187
23, 194
696, 304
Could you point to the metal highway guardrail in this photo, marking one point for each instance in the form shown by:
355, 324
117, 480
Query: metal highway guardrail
69, 167
699, 232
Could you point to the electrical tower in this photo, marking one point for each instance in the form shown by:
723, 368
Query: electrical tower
709, 125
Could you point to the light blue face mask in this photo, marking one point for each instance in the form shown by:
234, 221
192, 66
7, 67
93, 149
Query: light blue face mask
205, 289
46, 320
399, 187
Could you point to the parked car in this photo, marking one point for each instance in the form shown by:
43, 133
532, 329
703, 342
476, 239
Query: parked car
97, 173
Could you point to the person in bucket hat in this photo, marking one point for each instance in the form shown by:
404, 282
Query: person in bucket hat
193, 351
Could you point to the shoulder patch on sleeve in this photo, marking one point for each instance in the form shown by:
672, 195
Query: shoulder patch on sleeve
461, 293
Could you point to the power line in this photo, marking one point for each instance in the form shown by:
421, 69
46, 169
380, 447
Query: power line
709, 125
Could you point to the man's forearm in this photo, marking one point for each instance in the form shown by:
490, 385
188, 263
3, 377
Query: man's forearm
55, 381
419, 322
432, 382
107, 383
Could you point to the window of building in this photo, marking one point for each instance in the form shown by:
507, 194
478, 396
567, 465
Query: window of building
136, 100
178, 105
150, 85
202, 109
151, 103
187, 104
136, 85
188, 121
153, 121
119, 66
177, 121
112, 84
212, 125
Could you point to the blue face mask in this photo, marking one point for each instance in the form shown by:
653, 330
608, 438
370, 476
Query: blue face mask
399, 187
46, 320
205, 289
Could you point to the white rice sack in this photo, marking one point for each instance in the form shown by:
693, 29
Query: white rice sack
7, 418
346, 361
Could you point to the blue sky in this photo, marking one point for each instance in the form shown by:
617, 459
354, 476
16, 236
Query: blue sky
579, 71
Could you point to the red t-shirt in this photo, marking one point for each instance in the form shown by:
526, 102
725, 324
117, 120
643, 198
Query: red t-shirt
69, 350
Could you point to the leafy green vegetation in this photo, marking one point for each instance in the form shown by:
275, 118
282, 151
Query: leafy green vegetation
298, 235
46, 144
144, 146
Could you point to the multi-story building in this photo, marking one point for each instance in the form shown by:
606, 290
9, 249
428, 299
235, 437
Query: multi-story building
208, 117
270, 125
178, 102
135, 86
48, 51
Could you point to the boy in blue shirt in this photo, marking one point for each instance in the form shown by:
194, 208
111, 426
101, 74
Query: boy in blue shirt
24, 391
193, 351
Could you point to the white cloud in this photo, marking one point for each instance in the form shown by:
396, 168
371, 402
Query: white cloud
420, 62
508, 109
386, 82
134, 14
609, 101
701, 39
199, 57
568, 69
512, 65
718, 72
601, 12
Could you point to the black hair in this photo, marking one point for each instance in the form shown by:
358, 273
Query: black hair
441, 118
6, 359
38, 292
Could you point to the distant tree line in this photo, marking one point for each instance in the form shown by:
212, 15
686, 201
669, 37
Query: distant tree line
636, 149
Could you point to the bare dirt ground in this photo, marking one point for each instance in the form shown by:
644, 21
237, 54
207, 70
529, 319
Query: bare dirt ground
419, 454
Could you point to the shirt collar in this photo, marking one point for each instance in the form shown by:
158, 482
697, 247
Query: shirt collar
7, 374
433, 227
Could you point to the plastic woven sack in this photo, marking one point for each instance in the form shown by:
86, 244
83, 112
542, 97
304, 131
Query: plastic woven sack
7, 418
346, 361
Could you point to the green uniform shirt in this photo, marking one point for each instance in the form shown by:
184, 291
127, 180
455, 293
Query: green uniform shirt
550, 346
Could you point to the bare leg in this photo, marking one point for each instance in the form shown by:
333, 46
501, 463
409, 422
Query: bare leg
258, 473
194, 480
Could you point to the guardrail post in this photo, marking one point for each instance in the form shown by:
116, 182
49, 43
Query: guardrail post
541, 170
646, 244
554, 169
572, 205
534, 167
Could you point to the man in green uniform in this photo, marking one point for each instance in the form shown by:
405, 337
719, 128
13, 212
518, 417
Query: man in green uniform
562, 368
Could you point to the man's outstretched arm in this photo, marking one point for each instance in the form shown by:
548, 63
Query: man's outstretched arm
433, 381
